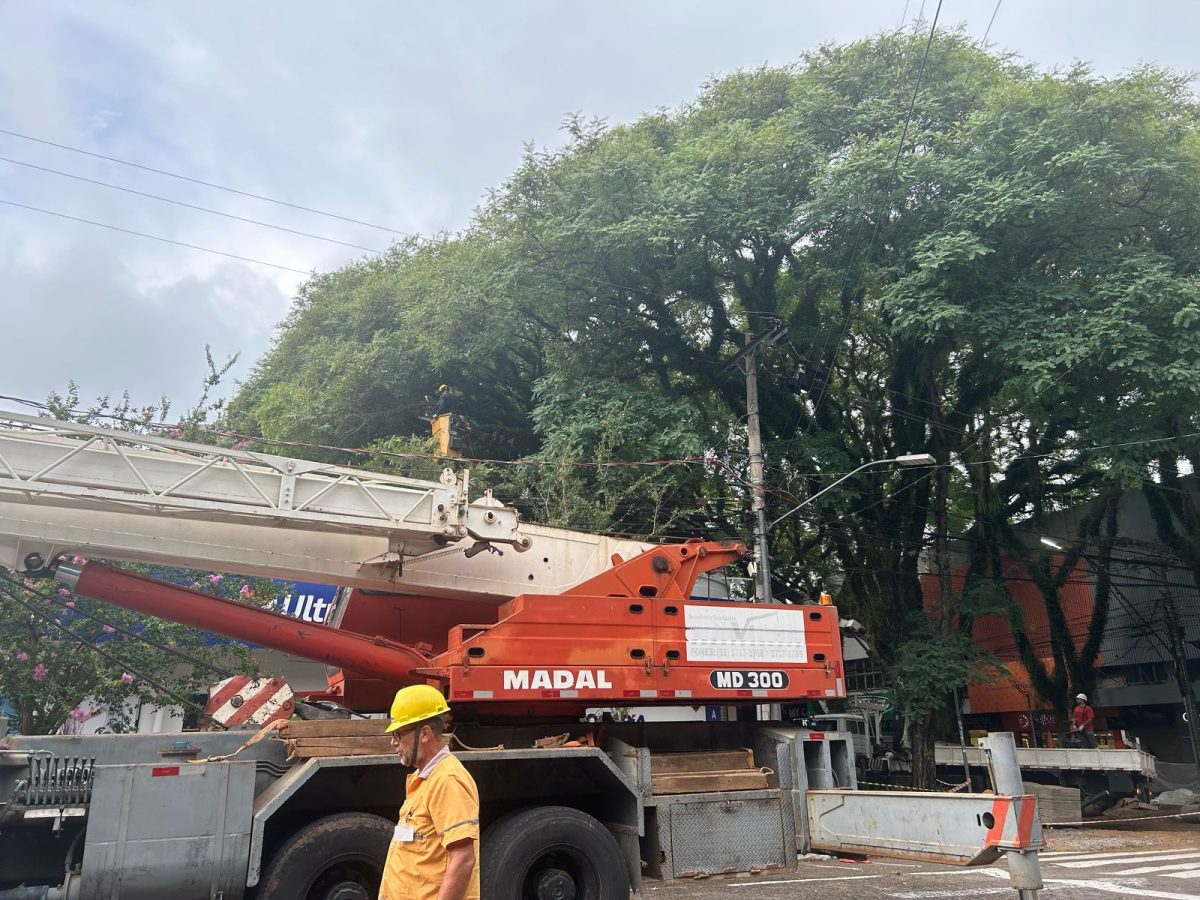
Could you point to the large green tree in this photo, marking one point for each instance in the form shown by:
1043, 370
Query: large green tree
973, 258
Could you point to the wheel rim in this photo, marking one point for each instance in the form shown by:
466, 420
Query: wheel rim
349, 877
555, 884
561, 873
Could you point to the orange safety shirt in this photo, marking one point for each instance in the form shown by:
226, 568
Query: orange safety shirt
441, 808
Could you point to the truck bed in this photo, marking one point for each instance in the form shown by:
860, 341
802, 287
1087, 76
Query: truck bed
1073, 758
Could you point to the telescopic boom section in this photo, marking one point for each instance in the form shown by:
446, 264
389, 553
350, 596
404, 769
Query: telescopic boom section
79, 490
377, 656
66, 487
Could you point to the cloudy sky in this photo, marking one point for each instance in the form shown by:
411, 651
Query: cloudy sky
398, 115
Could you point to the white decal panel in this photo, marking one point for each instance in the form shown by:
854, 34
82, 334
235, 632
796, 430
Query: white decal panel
744, 633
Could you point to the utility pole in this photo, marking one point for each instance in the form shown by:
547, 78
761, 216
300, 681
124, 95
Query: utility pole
1182, 678
758, 502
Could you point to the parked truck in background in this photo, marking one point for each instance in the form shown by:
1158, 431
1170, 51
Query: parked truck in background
1103, 777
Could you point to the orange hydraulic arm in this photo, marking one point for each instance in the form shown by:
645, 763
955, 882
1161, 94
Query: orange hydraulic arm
378, 656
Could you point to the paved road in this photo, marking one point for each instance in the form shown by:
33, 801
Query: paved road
1161, 873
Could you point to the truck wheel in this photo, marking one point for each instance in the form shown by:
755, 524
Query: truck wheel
339, 857
551, 853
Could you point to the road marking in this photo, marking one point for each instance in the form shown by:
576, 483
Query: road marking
883, 861
1110, 887
1190, 874
963, 870
1124, 860
958, 892
1150, 870
1123, 889
802, 880
1110, 854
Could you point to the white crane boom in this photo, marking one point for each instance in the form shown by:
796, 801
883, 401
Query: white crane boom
67, 488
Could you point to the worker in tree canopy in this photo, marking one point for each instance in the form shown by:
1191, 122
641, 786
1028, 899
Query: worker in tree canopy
1083, 718
434, 854
444, 401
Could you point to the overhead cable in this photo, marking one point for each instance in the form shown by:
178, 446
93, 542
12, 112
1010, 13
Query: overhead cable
211, 184
992, 21
887, 196
205, 209
155, 237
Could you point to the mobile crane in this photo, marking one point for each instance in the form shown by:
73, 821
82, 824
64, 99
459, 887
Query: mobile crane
522, 626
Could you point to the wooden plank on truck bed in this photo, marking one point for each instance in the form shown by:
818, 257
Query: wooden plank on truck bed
312, 728
350, 748
701, 761
380, 743
705, 782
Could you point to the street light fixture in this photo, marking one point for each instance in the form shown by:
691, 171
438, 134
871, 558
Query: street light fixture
907, 460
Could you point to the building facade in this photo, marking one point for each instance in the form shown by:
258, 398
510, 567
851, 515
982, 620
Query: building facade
1151, 627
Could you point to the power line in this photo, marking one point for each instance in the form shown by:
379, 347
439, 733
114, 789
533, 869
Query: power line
895, 393
219, 187
967, 539
205, 209
1015, 412
364, 451
686, 460
410, 234
992, 20
155, 237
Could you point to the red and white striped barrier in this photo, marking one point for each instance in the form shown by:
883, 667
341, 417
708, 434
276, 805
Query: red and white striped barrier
242, 700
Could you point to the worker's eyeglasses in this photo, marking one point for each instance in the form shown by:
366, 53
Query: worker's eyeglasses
398, 736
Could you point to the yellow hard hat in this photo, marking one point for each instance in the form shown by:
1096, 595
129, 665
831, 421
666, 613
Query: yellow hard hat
442, 387
416, 703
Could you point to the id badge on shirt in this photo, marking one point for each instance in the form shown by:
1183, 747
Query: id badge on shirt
404, 834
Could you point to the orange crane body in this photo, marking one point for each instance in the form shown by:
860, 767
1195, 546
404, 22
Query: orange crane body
631, 635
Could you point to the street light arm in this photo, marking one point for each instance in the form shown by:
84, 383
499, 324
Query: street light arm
828, 488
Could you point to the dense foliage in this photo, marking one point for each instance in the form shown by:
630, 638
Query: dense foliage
1012, 287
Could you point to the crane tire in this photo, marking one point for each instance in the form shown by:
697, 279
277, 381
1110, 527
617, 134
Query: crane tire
551, 851
338, 857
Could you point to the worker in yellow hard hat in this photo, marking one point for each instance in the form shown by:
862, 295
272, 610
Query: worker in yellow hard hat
434, 854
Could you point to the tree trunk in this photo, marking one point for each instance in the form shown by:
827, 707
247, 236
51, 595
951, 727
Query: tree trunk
921, 735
